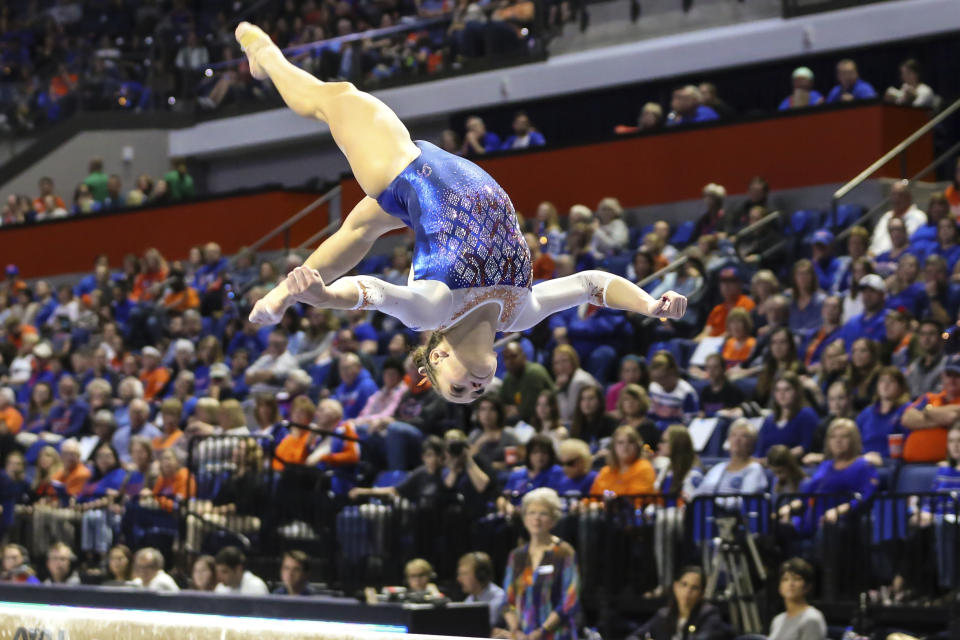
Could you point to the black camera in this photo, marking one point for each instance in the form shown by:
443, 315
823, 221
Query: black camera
456, 447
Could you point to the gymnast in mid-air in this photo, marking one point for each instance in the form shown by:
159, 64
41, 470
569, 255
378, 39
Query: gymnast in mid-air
471, 270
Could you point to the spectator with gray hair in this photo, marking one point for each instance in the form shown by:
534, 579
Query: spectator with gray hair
139, 412
267, 373
546, 607
803, 95
611, 233
149, 574
740, 474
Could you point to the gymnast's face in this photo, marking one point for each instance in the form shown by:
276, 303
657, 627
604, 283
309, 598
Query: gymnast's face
460, 380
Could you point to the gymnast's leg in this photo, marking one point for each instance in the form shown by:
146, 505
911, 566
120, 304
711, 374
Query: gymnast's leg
377, 145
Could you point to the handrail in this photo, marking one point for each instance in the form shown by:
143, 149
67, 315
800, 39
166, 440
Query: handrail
312, 240
889, 155
679, 262
295, 218
759, 224
880, 206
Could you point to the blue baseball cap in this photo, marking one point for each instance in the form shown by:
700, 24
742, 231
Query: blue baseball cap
822, 237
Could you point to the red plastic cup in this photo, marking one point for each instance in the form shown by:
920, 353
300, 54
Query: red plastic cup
510, 455
895, 443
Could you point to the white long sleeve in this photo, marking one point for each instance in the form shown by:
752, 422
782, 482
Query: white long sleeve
420, 305
551, 296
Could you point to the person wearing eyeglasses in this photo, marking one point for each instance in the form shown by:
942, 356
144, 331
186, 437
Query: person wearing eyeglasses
576, 461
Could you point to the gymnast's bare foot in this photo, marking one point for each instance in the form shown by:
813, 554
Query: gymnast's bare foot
252, 40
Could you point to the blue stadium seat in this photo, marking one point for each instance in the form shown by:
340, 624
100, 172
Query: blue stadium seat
389, 478
602, 363
684, 233
805, 221
915, 478
847, 214
617, 264
748, 386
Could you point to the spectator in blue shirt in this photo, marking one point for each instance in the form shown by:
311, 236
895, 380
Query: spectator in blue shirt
356, 385
478, 141
69, 414
824, 262
792, 423
947, 247
214, 264
541, 470
804, 95
850, 87
844, 472
576, 461
524, 135
882, 418
870, 323
687, 106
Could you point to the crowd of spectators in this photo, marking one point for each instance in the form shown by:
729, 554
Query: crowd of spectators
829, 360
60, 57
99, 192
701, 103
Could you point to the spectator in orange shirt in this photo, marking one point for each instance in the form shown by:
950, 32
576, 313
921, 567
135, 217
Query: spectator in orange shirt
952, 194
543, 264
73, 475
929, 417
149, 282
180, 297
628, 471
174, 484
46, 189
740, 341
730, 290
152, 375
10, 418
172, 435
294, 447
16, 330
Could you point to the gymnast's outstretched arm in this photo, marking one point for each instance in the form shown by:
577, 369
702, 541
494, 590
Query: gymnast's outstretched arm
599, 288
421, 305
337, 255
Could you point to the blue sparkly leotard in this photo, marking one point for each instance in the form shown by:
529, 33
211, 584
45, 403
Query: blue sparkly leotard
467, 233
469, 251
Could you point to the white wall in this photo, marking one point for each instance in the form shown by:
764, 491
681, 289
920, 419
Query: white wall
68, 164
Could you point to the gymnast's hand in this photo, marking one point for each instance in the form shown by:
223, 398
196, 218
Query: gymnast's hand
270, 308
671, 305
305, 285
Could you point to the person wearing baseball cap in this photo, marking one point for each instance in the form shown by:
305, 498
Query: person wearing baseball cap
931, 415
804, 95
732, 294
824, 262
870, 323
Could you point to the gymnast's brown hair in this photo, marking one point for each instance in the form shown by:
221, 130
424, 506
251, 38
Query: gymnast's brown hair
421, 356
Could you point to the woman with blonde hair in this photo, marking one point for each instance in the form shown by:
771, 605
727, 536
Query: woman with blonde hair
48, 496
845, 472
570, 378
806, 298
611, 235
552, 237
542, 578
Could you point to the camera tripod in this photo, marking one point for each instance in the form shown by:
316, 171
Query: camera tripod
732, 561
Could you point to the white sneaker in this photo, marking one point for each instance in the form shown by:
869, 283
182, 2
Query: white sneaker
252, 39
